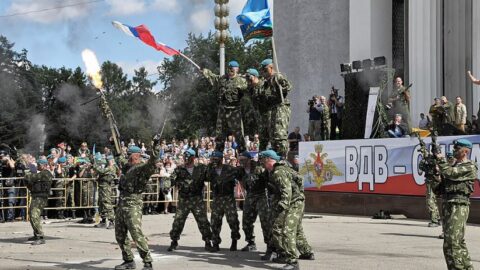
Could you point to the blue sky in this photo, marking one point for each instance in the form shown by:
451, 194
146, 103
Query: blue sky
56, 38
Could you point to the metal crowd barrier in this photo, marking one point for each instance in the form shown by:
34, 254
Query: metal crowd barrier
82, 185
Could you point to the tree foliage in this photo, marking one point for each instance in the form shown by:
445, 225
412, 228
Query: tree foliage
58, 96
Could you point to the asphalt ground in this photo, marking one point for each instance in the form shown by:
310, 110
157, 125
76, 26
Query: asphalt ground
339, 242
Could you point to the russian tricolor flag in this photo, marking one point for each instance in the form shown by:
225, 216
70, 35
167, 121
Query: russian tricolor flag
144, 35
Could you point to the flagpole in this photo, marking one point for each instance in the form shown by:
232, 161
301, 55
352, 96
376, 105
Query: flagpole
190, 60
274, 51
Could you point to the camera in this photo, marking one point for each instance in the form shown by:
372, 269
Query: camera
312, 101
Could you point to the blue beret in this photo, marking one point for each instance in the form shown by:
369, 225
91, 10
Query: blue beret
233, 64
217, 154
50, 156
110, 157
266, 62
189, 153
42, 162
464, 143
98, 156
62, 160
253, 72
270, 154
134, 149
247, 155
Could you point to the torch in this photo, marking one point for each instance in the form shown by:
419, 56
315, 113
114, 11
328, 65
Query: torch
93, 73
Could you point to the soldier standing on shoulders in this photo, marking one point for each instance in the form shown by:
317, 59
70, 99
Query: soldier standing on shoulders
133, 182
456, 186
190, 180
256, 203
222, 179
230, 89
276, 88
39, 185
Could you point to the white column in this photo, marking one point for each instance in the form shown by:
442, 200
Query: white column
425, 51
476, 53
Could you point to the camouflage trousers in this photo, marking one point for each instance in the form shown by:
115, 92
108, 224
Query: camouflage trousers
87, 193
454, 247
105, 204
59, 192
224, 205
70, 194
274, 129
196, 205
432, 207
256, 205
36, 207
288, 235
129, 220
229, 122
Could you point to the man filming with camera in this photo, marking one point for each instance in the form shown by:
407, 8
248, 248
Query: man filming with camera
335, 102
314, 114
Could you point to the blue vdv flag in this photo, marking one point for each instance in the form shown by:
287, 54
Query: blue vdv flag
255, 20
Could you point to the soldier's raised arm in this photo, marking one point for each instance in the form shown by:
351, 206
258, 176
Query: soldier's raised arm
211, 77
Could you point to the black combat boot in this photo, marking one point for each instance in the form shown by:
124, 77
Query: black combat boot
251, 246
279, 259
233, 247
101, 224
147, 266
39, 241
173, 245
307, 256
33, 238
208, 246
73, 214
126, 265
215, 247
269, 255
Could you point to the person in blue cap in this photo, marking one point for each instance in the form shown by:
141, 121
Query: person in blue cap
189, 179
105, 174
230, 89
256, 203
39, 185
288, 202
133, 182
274, 107
223, 178
456, 187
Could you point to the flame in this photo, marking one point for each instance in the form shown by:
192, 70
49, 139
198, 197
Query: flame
93, 68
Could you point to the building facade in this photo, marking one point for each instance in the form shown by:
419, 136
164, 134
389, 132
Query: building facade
430, 43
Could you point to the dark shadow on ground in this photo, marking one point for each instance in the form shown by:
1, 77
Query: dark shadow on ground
65, 265
412, 235
223, 257
23, 239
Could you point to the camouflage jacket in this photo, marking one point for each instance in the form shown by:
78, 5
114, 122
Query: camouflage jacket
224, 184
255, 182
286, 186
458, 180
105, 173
271, 90
40, 183
259, 99
229, 90
188, 185
134, 179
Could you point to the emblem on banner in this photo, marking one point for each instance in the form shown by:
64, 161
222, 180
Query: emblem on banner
318, 168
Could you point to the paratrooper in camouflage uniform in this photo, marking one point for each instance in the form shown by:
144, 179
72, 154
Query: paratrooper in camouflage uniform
222, 179
256, 201
105, 176
275, 109
133, 182
288, 202
39, 185
432, 179
190, 182
456, 186
230, 89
